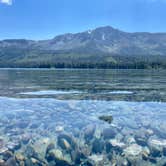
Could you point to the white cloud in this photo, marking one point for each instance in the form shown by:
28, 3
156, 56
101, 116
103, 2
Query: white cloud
7, 2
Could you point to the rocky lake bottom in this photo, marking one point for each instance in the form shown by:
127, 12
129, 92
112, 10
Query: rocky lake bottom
42, 131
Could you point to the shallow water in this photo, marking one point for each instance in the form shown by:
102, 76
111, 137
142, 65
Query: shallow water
39, 107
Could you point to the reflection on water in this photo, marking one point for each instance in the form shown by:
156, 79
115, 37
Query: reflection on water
145, 85
121, 92
50, 92
51, 117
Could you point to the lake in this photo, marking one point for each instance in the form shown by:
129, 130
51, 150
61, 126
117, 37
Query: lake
52, 117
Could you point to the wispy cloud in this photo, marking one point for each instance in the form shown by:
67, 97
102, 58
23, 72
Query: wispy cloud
7, 2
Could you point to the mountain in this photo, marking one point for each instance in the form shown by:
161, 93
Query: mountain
101, 47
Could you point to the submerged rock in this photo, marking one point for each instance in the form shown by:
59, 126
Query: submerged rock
156, 146
25, 138
141, 141
13, 146
106, 118
153, 160
130, 140
30, 152
116, 143
133, 150
97, 146
36, 162
164, 151
64, 144
50, 147
11, 162
59, 128
77, 156
56, 155
22, 124
2, 162
149, 132
28, 162
97, 160
1, 141
3, 150
155, 152
19, 157
34, 125
87, 163
45, 140
66, 140
145, 153
157, 142
109, 133
8, 154
89, 132
108, 148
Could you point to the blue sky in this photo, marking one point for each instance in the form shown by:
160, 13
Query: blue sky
43, 19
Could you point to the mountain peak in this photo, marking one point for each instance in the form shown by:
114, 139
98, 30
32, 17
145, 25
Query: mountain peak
106, 28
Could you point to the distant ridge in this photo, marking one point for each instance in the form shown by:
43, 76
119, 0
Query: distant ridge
103, 47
